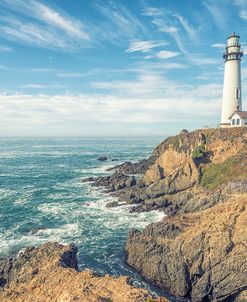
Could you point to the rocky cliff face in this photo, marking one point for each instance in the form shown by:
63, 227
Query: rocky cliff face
199, 179
49, 273
186, 172
201, 256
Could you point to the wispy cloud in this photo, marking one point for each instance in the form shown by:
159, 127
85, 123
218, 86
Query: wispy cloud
145, 46
41, 69
71, 75
220, 46
33, 86
41, 86
120, 22
164, 27
191, 31
4, 48
45, 27
167, 54
172, 30
217, 12
152, 12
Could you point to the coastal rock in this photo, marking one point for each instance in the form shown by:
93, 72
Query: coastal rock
200, 256
116, 181
103, 158
49, 273
88, 179
112, 204
186, 173
134, 168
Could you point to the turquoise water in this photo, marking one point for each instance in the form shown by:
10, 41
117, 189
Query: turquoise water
42, 198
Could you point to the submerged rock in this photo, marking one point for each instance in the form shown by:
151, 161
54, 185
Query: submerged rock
49, 273
103, 158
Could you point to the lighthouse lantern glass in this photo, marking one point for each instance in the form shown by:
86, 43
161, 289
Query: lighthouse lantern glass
233, 41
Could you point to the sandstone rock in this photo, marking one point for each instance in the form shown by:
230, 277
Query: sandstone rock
201, 256
49, 273
177, 172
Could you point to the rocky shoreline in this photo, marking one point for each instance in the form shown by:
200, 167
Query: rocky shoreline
199, 180
49, 273
197, 252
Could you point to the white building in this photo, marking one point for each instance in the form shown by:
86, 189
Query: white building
239, 119
232, 114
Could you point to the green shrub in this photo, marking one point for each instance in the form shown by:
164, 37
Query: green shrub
217, 174
199, 152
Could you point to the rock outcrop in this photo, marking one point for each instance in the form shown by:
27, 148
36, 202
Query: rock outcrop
186, 173
48, 273
201, 256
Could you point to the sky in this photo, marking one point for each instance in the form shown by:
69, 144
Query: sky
114, 68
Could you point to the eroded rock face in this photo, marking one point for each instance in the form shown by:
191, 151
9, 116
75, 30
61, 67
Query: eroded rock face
201, 256
49, 273
186, 173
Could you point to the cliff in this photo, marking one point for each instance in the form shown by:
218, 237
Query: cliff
48, 273
200, 256
188, 172
199, 180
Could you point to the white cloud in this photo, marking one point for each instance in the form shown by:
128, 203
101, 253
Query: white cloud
173, 31
33, 86
152, 11
43, 114
41, 86
191, 32
144, 46
163, 27
220, 46
4, 48
199, 59
119, 23
71, 75
166, 54
41, 69
243, 14
45, 28
218, 13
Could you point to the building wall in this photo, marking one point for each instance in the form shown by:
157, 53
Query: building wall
232, 80
242, 122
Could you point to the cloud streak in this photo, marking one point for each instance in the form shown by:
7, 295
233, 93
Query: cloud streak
166, 54
145, 46
45, 27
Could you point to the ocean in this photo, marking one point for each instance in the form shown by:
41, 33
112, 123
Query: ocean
43, 198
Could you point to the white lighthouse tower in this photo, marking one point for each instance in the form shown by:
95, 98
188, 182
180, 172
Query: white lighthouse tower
232, 98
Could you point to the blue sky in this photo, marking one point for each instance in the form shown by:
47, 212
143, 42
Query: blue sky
114, 68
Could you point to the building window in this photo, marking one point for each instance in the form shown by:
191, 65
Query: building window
233, 122
237, 93
238, 121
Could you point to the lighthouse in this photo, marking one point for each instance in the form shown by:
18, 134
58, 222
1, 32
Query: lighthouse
232, 96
